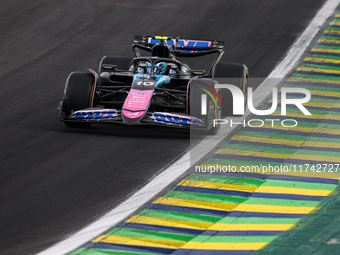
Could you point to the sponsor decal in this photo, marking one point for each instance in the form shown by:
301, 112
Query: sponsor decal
95, 114
176, 119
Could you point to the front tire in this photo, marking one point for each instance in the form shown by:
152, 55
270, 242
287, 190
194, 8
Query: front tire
235, 74
78, 95
197, 89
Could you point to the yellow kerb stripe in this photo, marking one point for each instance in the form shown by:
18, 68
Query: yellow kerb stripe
334, 32
321, 60
266, 140
123, 240
313, 116
250, 227
328, 41
306, 69
321, 144
223, 246
326, 51
216, 185
168, 222
195, 203
278, 126
315, 92
252, 153
315, 157
274, 209
294, 191
326, 131
316, 104
285, 142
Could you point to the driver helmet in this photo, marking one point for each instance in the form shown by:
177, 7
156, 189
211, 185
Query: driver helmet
160, 68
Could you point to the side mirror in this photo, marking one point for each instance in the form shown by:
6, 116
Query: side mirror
109, 67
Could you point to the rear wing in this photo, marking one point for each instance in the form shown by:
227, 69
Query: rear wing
180, 47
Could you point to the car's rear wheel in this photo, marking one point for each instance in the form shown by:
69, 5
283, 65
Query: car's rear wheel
78, 95
235, 74
121, 63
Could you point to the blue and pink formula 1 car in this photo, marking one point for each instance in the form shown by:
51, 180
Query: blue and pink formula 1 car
154, 88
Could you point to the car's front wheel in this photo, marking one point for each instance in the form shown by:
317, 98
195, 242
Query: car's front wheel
235, 74
208, 109
78, 95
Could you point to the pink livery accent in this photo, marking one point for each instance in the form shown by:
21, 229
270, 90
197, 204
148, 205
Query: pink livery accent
186, 42
136, 103
133, 115
94, 86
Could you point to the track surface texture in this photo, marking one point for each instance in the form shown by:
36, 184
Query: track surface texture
54, 180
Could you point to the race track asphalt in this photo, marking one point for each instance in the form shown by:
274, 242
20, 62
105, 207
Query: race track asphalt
53, 179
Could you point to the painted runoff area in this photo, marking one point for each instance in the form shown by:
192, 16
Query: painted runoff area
238, 212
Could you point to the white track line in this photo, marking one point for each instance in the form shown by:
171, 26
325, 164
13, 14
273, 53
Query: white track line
166, 177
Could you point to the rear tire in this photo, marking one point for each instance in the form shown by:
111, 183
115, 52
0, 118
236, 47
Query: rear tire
235, 74
78, 95
122, 63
